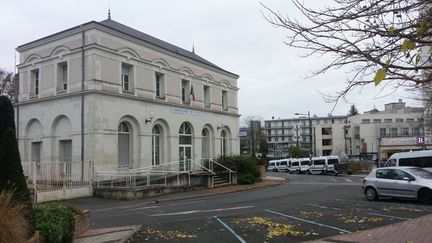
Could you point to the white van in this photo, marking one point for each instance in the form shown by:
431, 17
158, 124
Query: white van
324, 165
273, 165
304, 165
422, 159
284, 165
295, 166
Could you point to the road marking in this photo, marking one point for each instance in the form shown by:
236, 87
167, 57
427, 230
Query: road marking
387, 216
349, 180
129, 209
200, 211
322, 206
333, 179
230, 230
308, 221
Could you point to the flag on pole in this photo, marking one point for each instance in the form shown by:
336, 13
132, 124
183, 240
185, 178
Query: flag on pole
192, 93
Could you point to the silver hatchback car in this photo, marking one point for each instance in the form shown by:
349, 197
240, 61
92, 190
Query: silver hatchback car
400, 182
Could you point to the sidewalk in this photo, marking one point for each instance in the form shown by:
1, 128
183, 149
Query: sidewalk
121, 234
410, 231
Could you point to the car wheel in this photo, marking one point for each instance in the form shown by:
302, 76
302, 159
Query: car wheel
335, 174
349, 172
309, 172
371, 194
425, 196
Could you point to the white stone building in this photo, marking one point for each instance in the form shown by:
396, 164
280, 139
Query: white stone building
105, 92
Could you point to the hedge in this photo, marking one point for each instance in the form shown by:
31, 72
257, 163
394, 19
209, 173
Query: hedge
56, 223
246, 167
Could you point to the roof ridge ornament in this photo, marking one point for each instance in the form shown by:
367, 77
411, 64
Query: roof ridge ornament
109, 10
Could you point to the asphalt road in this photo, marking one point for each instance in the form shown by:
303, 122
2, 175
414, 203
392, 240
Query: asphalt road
308, 207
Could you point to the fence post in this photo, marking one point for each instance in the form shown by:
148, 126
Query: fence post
34, 172
148, 178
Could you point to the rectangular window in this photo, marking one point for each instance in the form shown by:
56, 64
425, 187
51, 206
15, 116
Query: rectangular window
160, 85
224, 100
383, 132
410, 120
326, 142
399, 120
405, 131
388, 120
185, 89
393, 132
416, 131
126, 77
376, 120
366, 121
62, 76
206, 91
34, 75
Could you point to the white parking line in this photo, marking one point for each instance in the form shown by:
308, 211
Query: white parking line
349, 180
308, 221
333, 179
386, 216
200, 211
230, 230
322, 206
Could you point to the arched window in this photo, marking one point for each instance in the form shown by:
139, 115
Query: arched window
205, 142
124, 144
223, 143
156, 145
185, 146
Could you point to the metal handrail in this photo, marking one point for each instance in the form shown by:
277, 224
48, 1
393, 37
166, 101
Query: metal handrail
221, 165
203, 167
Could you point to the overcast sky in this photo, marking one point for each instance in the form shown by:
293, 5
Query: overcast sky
230, 33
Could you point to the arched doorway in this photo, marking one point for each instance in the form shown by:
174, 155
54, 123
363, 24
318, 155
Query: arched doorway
124, 144
156, 145
185, 146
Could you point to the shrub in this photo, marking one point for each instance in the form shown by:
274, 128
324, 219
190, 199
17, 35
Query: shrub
14, 227
246, 167
55, 222
11, 172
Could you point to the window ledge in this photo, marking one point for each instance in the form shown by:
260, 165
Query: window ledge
34, 96
160, 97
61, 91
128, 92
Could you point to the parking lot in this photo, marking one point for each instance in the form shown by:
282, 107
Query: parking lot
304, 212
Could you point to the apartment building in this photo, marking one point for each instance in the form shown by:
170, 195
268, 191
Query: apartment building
284, 133
106, 92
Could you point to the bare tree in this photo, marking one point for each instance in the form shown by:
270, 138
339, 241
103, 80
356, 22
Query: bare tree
8, 84
381, 40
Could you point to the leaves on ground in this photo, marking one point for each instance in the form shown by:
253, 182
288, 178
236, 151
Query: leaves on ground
274, 229
357, 219
150, 233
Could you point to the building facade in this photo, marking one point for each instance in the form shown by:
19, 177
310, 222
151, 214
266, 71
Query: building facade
105, 92
372, 135
397, 128
283, 133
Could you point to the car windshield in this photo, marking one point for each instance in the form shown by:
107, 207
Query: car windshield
304, 163
425, 174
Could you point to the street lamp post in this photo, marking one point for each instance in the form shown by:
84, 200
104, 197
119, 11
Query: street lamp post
310, 131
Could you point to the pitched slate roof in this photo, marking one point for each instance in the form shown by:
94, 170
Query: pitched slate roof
155, 41
116, 26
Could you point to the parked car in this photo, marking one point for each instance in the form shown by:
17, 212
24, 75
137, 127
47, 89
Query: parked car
400, 182
422, 159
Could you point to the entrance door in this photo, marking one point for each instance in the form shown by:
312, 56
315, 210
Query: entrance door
185, 153
65, 147
185, 146
36, 148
